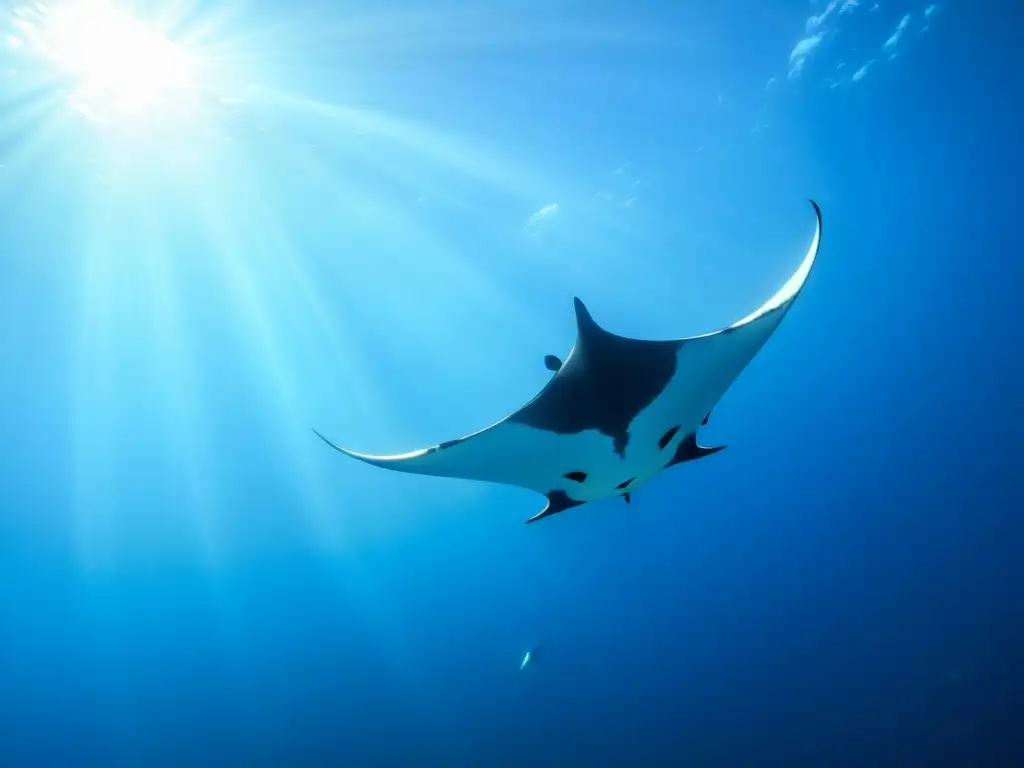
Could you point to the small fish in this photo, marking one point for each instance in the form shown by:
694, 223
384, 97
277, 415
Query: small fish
529, 658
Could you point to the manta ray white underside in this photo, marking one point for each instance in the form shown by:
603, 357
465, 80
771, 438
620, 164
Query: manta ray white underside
616, 413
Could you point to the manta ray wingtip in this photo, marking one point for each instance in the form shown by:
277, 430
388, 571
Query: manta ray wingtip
333, 445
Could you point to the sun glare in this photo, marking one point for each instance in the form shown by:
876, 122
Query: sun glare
121, 67
117, 58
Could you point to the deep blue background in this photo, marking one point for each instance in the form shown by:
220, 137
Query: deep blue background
188, 577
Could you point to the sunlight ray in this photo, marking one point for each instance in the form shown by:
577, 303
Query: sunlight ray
356, 389
297, 267
437, 170
258, 253
325, 518
459, 154
181, 400
365, 191
244, 281
444, 29
125, 357
408, 177
93, 469
25, 94
30, 130
421, 245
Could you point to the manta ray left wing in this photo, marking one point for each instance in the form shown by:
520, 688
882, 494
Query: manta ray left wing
616, 411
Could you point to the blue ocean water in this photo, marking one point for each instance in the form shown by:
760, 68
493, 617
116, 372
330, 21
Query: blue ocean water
371, 219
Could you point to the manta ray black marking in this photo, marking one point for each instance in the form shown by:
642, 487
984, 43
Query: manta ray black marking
616, 412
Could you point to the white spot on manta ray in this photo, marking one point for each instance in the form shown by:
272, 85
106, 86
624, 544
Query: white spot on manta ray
616, 412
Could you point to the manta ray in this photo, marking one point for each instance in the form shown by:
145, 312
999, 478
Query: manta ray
616, 412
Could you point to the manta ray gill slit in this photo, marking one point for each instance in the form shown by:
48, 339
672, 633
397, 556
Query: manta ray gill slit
667, 437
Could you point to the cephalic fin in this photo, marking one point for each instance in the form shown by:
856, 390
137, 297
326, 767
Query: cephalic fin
558, 501
688, 450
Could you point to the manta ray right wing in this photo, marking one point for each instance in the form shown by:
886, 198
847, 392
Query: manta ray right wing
706, 365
